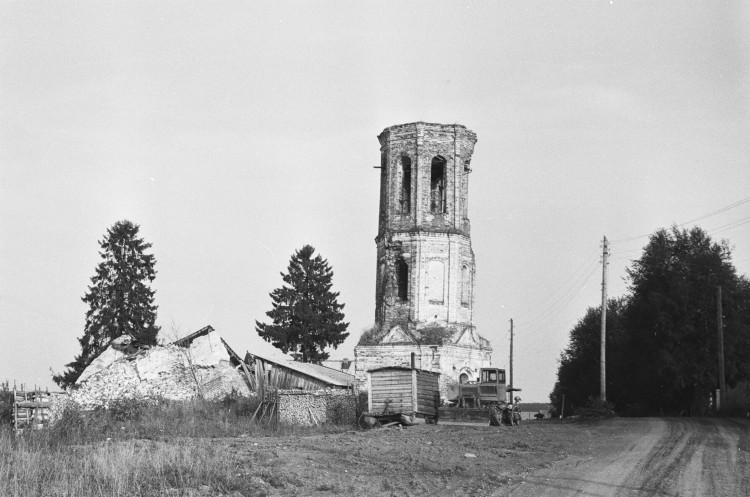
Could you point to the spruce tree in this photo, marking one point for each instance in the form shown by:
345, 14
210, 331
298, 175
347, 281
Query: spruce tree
119, 298
306, 314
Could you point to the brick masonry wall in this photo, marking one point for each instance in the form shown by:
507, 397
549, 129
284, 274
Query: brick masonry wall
435, 246
421, 142
434, 299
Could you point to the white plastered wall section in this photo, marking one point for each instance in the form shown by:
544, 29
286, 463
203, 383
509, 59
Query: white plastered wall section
437, 298
448, 360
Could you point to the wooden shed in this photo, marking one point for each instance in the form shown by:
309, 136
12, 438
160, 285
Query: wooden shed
401, 390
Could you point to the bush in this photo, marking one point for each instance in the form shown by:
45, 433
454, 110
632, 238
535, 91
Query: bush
596, 408
239, 405
129, 408
434, 335
370, 336
6, 404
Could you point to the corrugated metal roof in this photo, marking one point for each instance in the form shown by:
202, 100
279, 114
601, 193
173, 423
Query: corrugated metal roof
264, 350
332, 376
401, 368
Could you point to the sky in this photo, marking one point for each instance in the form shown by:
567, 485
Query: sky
234, 133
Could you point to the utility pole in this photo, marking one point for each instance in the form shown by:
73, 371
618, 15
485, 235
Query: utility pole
603, 351
720, 321
510, 383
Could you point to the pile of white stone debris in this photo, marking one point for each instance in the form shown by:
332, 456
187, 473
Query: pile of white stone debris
201, 367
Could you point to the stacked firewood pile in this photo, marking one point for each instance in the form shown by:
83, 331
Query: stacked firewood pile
316, 407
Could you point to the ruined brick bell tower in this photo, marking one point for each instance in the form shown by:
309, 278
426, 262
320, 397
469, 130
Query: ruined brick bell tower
424, 300
425, 264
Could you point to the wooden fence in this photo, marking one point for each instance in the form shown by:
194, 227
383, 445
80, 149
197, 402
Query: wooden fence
31, 410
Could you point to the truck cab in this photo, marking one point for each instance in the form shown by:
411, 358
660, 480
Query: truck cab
492, 386
489, 388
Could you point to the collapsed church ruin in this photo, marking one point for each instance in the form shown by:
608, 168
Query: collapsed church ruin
424, 298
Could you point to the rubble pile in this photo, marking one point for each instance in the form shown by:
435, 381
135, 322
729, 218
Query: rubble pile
171, 372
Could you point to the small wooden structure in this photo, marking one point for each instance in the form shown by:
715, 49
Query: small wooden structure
30, 409
399, 391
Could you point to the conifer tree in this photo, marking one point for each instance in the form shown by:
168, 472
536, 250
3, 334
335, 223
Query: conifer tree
306, 314
119, 298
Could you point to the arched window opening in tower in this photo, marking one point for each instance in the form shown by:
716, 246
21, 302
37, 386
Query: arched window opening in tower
402, 279
405, 185
437, 185
465, 286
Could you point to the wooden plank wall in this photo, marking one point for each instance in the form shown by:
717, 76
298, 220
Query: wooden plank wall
394, 386
280, 378
428, 393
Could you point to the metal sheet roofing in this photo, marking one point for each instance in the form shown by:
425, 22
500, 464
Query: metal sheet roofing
267, 352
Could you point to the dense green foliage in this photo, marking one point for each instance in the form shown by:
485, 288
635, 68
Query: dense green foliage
6, 403
578, 371
306, 314
662, 352
370, 336
119, 298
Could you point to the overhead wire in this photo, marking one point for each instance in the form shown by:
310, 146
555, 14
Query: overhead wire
563, 300
582, 267
730, 226
705, 216
569, 293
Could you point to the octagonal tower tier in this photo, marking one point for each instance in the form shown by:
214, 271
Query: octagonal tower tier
425, 267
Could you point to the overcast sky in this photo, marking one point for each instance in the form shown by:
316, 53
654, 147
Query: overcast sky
235, 133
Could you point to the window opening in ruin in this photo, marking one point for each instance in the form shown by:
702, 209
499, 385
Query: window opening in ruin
405, 185
402, 279
465, 286
464, 378
437, 185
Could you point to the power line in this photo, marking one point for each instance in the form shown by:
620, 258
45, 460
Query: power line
718, 211
559, 305
730, 226
562, 287
713, 213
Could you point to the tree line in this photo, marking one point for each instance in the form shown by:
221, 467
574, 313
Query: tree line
306, 316
662, 336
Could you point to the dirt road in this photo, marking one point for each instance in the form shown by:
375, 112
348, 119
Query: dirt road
651, 456
612, 457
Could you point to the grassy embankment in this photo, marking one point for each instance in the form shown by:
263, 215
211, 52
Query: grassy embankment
138, 449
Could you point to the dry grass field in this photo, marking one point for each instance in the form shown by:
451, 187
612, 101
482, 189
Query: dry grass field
204, 449
201, 449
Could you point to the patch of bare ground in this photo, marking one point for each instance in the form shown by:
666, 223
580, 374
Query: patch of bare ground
649, 457
420, 460
616, 456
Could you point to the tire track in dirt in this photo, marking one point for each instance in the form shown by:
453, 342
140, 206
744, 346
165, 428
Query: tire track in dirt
674, 457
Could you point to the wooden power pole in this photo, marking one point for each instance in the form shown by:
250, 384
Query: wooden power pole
603, 350
720, 322
510, 383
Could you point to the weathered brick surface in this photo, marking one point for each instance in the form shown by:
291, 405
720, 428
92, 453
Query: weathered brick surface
424, 227
435, 246
449, 360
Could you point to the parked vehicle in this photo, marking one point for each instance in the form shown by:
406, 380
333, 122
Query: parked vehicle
489, 389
